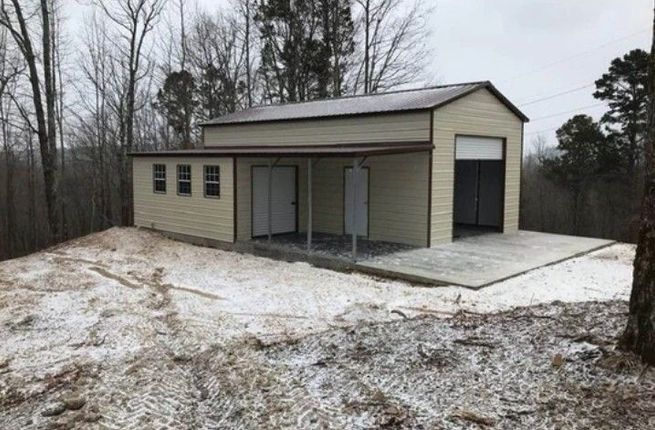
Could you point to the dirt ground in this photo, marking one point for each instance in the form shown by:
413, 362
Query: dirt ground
128, 330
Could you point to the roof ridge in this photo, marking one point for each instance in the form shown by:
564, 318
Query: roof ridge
352, 96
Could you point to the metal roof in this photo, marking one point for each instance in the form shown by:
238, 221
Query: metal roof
397, 101
355, 150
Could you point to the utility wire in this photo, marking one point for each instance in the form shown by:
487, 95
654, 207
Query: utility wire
573, 57
530, 97
531, 102
541, 131
568, 111
559, 113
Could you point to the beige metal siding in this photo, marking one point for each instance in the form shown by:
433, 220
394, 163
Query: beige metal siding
398, 196
193, 215
398, 127
478, 114
398, 199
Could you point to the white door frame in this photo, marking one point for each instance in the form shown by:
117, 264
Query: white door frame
496, 154
252, 194
362, 170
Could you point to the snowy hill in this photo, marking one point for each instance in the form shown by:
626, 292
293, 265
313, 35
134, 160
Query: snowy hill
121, 320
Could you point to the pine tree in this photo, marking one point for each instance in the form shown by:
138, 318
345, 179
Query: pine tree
177, 103
583, 154
305, 47
625, 88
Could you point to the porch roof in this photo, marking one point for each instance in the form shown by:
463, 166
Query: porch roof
354, 150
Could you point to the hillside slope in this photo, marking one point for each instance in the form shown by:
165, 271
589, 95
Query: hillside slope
147, 332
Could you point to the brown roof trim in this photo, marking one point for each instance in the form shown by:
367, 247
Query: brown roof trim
297, 151
478, 85
322, 117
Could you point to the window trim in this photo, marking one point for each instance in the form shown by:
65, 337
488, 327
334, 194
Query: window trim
155, 179
184, 180
204, 181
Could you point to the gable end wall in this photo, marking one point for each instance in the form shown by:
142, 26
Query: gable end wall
478, 114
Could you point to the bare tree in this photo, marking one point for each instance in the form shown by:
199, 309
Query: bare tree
217, 55
639, 335
95, 129
393, 48
58, 88
244, 10
109, 109
14, 18
181, 6
133, 21
173, 38
8, 76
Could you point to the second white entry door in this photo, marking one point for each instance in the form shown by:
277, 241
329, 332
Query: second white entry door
283, 200
361, 202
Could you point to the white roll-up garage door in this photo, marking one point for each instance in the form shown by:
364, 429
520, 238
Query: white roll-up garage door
478, 148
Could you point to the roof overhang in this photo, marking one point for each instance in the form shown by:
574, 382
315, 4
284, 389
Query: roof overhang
353, 150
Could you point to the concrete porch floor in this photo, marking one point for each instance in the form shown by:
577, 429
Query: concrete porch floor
473, 262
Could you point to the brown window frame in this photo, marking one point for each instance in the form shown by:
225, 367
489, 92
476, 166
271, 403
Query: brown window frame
216, 182
185, 180
156, 179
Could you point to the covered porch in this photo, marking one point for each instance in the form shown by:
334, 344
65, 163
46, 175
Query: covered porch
350, 195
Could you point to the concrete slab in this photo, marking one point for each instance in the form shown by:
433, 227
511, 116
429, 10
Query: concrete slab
482, 260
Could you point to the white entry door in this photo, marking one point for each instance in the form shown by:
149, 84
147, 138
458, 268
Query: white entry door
283, 201
361, 202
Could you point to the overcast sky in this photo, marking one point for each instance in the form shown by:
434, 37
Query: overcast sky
537, 48
530, 49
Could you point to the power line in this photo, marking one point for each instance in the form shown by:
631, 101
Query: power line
542, 93
557, 95
541, 131
568, 111
575, 56
557, 114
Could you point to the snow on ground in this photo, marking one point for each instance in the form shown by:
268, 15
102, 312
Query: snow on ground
116, 317
247, 294
544, 367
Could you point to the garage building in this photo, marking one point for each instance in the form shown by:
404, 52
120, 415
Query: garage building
417, 167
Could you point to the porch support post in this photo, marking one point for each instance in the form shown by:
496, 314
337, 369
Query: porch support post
309, 204
270, 203
353, 195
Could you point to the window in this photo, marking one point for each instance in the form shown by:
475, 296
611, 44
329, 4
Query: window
212, 181
184, 179
159, 178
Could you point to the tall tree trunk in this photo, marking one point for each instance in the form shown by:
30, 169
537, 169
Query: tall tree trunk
183, 42
639, 335
126, 183
134, 20
57, 77
51, 115
31, 186
45, 120
367, 46
9, 221
247, 46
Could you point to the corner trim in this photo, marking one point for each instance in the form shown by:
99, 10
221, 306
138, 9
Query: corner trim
235, 214
430, 184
